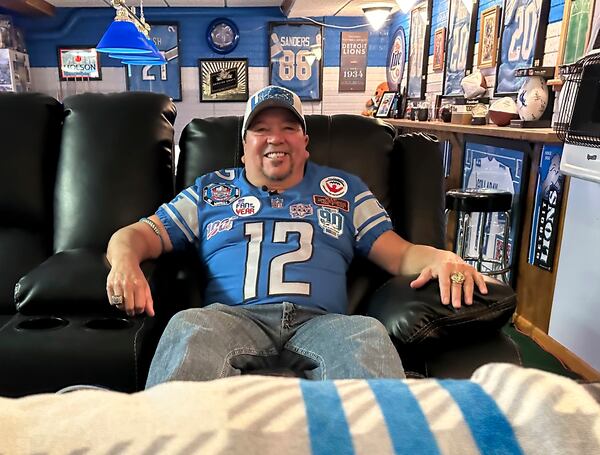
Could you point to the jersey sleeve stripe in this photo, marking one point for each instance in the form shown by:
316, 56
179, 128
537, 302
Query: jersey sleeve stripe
187, 210
366, 210
362, 195
190, 192
370, 226
179, 221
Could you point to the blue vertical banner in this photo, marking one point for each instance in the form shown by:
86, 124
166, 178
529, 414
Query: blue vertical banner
297, 58
546, 209
166, 78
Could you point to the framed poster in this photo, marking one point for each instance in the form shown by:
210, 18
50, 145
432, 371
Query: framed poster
353, 61
296, 58
159, 78
522, 38
418, 50
594, 35
574, 33
385, 104
488, 38
396, 59
502, 165
223, 79
439, 46
78, 63
462, 25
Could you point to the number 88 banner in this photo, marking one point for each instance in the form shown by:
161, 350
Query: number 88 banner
296, 58
523, 36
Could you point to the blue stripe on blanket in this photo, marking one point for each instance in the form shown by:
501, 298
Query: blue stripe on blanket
489, 427
406, 423
327, 424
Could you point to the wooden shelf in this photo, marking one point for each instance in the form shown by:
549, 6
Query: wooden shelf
545, 135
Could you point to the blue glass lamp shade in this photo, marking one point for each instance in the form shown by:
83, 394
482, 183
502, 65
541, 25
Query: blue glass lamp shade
122, 37
142, 61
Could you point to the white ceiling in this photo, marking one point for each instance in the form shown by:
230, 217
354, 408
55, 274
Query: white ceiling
298, 7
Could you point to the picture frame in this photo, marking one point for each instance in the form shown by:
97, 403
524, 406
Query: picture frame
594, 35
385, 104
78, 63
418, 49
523, 50
223, 79
165, 78
488, 37
574, 32
460, 46
297, 64
502, 164
439, 48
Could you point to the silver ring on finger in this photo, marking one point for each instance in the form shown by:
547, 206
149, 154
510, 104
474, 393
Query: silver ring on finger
117, 300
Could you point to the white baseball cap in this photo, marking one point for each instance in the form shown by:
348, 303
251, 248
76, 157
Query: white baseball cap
272, 96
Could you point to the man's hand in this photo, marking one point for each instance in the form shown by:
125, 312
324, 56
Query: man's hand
127, 281
457, 279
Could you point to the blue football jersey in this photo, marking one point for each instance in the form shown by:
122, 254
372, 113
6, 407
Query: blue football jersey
269, 248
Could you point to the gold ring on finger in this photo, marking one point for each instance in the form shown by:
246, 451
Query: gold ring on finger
457, 278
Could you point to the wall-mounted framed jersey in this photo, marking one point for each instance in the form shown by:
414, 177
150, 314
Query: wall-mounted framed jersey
159, 78
462, 26
522, 41
296, 58
418, 49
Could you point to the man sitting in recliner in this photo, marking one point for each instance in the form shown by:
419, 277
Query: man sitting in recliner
276, 237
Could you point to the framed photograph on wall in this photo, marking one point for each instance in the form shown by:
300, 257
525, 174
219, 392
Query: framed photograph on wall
574, 32
462, 26
594, 35
502, 165
439, 46
385, 105
78, 63
223, 79
418, 49
296, 60
488, 37
522, 39
165, 78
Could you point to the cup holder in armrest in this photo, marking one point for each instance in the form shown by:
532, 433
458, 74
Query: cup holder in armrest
108, 324
42, 323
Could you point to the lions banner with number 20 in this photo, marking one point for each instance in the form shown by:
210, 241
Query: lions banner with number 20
296, 58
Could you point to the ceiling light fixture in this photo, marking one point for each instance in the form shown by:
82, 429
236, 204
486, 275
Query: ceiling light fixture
377, 15
406, 5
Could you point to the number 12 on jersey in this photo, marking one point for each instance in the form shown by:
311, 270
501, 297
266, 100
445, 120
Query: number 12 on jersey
296, 57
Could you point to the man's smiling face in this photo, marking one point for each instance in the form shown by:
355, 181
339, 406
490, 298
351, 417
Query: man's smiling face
275, 149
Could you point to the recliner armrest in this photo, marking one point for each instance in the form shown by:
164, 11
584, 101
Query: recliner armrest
72, 280
417, 316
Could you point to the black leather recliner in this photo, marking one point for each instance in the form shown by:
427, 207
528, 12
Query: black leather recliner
71, 175
406, 174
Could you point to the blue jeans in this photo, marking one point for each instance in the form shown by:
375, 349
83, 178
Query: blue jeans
201, 344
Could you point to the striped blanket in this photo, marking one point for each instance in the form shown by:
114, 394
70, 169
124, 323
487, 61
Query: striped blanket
503, 409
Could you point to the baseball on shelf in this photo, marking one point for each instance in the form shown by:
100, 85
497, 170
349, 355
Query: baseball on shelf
532, 98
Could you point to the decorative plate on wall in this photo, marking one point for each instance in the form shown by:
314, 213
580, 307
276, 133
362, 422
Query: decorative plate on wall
222, 35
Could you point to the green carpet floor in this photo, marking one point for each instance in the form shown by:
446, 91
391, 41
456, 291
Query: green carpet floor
533, 356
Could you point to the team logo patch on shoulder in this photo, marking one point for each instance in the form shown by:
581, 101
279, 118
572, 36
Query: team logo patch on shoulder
331, 221
301, 210
334, 186
246, 206
217, 194
334, 203
214, 227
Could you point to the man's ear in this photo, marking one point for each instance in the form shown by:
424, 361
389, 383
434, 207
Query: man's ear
243, 158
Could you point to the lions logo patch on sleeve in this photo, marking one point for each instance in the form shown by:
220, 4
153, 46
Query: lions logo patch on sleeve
217, 194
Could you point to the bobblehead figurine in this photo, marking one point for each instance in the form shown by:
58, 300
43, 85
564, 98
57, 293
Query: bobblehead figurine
373, 103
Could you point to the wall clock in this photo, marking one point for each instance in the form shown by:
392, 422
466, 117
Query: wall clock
222, 35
